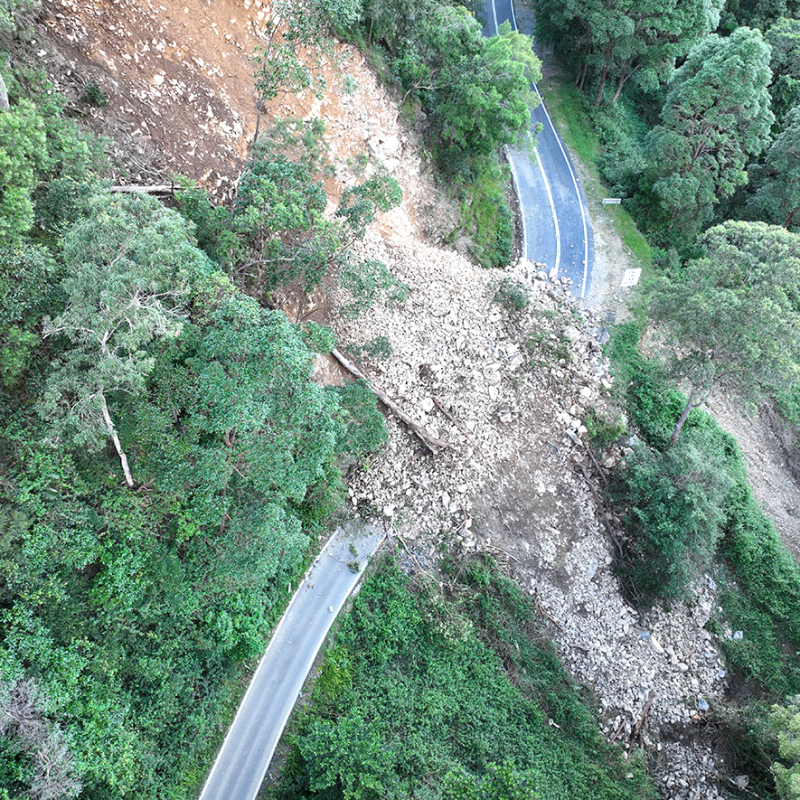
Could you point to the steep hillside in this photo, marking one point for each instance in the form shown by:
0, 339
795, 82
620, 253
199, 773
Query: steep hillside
501, 367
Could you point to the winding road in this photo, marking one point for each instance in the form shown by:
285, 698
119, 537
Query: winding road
250, 743
555, 219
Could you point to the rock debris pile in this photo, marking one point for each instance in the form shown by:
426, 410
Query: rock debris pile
509, 392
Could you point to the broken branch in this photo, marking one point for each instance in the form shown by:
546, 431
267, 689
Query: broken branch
459, 426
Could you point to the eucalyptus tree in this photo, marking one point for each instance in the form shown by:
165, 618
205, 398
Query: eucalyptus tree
784, 39
777, 180
732, 317
638, 39
128, 273
716, 116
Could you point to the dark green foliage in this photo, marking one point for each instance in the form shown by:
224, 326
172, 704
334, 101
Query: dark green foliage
777, 181
757, 13
27, 292
23, 154
94, 95
450, 698
674, 510
784, 38
476, 95
380, 347
484, 211
368, 282
607, 41
364, 430
716, 115
319, 338
276, 234
602, 430
358, 205
512, 295
652, 404
134, 609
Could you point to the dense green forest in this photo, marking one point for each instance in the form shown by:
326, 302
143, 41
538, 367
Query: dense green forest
690, 113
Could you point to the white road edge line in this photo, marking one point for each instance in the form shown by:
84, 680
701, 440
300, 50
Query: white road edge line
541, 169
272, 638
577, 191
519, 198
553, 207
569, 166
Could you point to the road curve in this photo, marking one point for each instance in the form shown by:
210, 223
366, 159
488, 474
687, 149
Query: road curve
250, 743
555, 219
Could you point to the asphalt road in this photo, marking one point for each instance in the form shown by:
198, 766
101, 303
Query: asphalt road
248, 748
555, 220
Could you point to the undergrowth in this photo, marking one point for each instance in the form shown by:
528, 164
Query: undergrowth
460, 695
759, 579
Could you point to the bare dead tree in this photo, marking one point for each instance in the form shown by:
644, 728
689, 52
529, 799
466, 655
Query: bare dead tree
53, 774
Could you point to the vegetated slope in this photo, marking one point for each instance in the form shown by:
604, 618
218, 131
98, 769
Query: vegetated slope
491, 383
449, 692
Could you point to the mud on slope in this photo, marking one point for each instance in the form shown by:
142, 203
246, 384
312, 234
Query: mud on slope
181, 98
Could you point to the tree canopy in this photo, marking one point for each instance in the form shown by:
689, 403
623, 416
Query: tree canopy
716, 115
777, 180
629, 39
733, 316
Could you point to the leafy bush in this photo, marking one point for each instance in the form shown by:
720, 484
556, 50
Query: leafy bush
26, 293
369, 282
512, 295
674, 510
785, 721
23, 156
364, 430
94, 95
602, 430
652, 404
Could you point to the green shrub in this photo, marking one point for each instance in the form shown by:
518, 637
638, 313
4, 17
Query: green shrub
319, 338
23, 157
603, 431
785, 722
369, 282
93, 95
512, 295
364, 430
760, 581
674, 510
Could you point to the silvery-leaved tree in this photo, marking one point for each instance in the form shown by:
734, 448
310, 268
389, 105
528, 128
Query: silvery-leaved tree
129, 269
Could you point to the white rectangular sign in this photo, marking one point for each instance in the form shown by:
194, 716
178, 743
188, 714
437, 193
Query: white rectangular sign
612, 201
631, 278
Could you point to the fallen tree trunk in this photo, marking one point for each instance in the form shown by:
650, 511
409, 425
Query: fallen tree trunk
433, 444
160, 188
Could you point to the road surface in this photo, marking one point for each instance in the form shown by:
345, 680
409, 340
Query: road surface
555, 220
245, 754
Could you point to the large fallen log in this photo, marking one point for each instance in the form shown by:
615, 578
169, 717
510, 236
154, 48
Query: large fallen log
159, 188
433, 444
